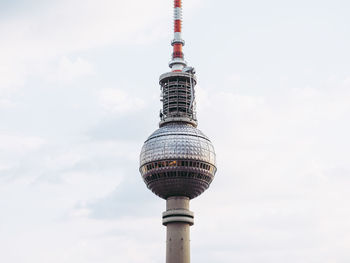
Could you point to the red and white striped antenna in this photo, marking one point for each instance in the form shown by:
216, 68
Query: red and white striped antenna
177, 63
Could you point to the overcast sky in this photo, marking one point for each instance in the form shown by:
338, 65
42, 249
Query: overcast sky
79, 95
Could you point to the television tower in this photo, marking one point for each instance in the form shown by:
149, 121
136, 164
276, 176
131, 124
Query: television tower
177, 162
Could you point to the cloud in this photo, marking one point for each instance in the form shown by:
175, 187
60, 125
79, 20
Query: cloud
68, 69
119, 102
129, 198
65, 26
51, 32
19, 143
276, 184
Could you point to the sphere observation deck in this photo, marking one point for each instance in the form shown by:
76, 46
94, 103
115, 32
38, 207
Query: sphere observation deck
177, 160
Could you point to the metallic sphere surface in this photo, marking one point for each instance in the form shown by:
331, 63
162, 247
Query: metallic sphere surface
177, 160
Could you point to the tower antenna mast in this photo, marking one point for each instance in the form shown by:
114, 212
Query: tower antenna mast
177, 63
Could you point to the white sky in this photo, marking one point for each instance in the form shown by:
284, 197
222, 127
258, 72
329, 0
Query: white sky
79, 95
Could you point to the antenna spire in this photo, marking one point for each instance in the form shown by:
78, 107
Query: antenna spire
177, 63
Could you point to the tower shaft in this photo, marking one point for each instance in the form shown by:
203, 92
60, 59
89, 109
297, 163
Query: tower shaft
178, 219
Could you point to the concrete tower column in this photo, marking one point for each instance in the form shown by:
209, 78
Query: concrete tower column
178, 219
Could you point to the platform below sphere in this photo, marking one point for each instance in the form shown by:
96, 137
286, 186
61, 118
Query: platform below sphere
177, 160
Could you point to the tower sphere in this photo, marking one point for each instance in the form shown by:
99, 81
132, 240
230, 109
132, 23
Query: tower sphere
177, 160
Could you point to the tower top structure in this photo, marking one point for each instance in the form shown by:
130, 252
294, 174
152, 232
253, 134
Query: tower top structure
177, 86
178, 159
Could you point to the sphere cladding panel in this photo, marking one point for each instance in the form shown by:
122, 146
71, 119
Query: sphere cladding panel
178, 142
